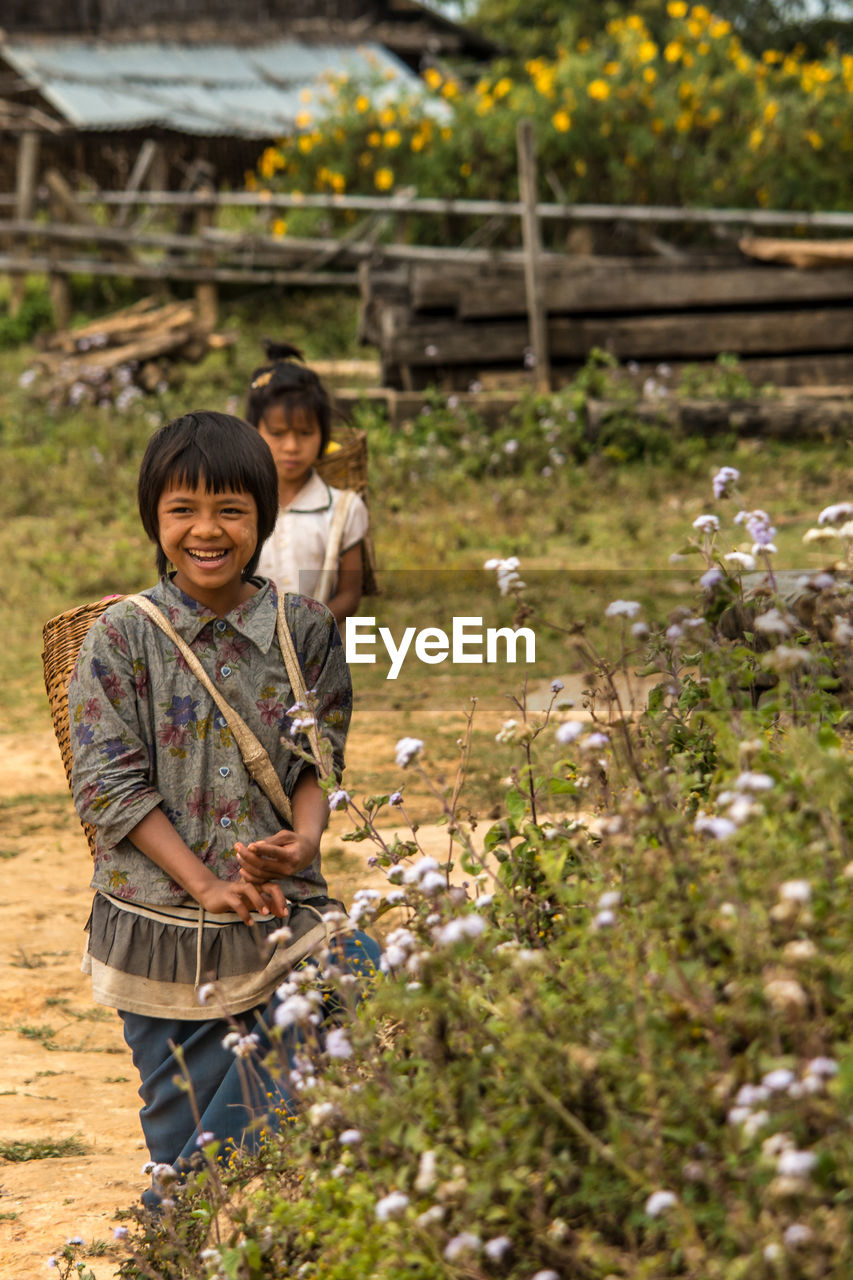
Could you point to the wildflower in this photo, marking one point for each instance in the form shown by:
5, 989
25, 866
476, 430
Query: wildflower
295, 1010
383, 179
741, 560
548, 1274
416, 872
838, 511
120, 1233
755, 1120
337, 1044
750, 1095
464, 1243
716, 828
282, 934
610, 899
784, 659
799, 891
797, 1234
507, 574
658, 1203
825, 534
595, 741
786, 995
456, 930
711, 578
426, 1172
206, 992
603, 920
407, 750
204, 1138
758, 526
822, 1067
320, 1112
395, 798
707, 524
598, 90
497, 1248
772, 623
26, 379
796, 1164
338, 798
393, 1205
749, 781
778, 1080
622, 609
724, 481
350, 1138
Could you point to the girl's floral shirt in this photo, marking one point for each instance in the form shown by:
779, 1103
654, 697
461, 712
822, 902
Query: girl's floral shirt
145, 733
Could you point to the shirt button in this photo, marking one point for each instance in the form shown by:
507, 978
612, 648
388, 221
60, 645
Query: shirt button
224, 771
226, 671
225, 822
220, 625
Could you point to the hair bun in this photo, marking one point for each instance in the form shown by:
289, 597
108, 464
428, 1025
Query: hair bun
281, 350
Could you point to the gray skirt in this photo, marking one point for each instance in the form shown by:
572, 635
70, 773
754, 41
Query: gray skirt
179, 962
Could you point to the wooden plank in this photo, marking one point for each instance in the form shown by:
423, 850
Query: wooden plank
616, 285
437, 343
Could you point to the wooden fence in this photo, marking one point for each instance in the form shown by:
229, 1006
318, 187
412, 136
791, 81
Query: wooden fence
447, 313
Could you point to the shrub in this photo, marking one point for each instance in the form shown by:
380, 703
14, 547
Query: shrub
621, 1046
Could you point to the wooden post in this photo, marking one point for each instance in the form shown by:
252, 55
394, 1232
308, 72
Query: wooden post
25, 190
58, 284
206, 293
537, 320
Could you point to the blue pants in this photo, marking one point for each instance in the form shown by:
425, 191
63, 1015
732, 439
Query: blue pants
234, 1097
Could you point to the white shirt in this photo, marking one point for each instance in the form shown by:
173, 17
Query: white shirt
293, 554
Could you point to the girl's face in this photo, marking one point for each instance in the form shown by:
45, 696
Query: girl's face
209, 538
294, 439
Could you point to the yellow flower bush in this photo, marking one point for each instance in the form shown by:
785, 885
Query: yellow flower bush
684, 115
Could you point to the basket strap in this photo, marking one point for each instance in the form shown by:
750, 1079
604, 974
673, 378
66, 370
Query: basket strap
254, 753
297, 683
323, 588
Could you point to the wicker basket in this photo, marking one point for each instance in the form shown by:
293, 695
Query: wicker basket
62, 637
345, 467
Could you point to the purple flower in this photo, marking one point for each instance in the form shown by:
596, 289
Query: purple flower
725, 479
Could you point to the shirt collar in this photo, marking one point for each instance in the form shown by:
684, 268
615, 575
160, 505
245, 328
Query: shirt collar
315, 495
255, 618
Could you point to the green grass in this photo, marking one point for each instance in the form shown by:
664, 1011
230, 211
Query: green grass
25, 1150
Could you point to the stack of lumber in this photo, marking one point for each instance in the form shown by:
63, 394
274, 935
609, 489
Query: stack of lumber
450, 323
117, 359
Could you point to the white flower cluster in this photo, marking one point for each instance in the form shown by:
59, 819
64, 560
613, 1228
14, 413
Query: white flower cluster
749, 1112
301, 1001
242, 1046
739, 803
605, 916
407, 750
509, 582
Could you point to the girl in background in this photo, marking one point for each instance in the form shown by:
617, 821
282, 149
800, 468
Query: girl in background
316, 546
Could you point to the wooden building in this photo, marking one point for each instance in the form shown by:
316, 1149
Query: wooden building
210, 81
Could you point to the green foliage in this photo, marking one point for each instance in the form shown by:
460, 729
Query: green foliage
41, 1149
35, 314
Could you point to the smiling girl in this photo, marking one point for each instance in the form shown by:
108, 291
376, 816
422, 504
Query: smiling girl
194, 866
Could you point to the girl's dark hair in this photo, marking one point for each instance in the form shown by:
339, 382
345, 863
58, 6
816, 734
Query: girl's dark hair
218, 451
291, 385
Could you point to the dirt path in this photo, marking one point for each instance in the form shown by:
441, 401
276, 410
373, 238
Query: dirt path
65, 1074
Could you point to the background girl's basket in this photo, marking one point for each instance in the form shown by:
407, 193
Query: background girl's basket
345, 467
62, 637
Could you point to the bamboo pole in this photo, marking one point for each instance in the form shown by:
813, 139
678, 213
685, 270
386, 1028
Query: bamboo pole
830, 220
536, 317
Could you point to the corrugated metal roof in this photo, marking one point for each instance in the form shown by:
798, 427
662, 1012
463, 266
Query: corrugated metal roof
253, 91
